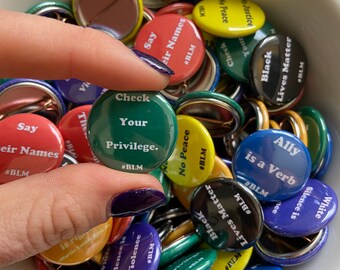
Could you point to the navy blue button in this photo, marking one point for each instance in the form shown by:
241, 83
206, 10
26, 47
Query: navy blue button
139, 248
274, 164
306, 213
78, 92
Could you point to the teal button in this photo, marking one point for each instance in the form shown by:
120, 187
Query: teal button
132, 131
234, 53
200, 259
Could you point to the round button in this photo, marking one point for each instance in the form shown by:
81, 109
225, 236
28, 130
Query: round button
73, 127
234, 53
139, 248
232, 260
80, 248
30, 144
132, 131
174, 40
306, 213
278, 69
230, 19
127, 14
78, 92
193, 158
274, 164
226, 215
316, 132
200, 259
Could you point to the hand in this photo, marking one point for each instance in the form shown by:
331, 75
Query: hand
39, 211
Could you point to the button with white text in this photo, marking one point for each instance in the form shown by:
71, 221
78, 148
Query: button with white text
174, 40
30, 144
226, 215
274, 164
132, 131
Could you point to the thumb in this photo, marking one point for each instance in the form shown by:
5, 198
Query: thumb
39, 211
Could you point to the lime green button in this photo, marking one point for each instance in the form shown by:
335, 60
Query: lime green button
230, 19
132, 131
193, 158
316, 132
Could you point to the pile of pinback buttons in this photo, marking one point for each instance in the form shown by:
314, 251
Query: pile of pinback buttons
239, 160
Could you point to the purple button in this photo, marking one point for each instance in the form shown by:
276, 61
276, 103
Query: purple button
139, 248
306, 213
79, 92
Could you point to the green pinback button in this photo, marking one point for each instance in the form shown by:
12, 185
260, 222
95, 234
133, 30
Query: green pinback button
230, 19
177, 248
132, 131
316, 132
201, 259
234, 53
164, 180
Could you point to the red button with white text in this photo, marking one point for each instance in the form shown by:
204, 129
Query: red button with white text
29, 144
174, 40
73, 127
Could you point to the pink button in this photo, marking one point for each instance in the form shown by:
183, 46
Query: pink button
30, 144
174, 40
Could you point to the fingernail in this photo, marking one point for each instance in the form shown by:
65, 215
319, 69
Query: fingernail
154, 63
135, 202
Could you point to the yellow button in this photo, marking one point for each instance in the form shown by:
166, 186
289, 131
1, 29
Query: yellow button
193, 158
229, 19
184, 194
138, 25
81, 248
232, 260
185, 228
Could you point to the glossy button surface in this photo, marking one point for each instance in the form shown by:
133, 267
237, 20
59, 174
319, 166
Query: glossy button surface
80, 248
127, 15
139, 248
226, 215
78, 92
201, 259
316, 132
274, 164
231, 19
132, 131
306, 213
234, 53
73, 127
193, 158
232, 260
29, 144
174, 40
278, 69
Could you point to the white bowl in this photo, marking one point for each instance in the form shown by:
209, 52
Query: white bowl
314, 24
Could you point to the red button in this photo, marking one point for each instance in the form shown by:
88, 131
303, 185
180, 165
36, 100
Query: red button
119, 227
174, 40
176, 8
30, 144
73, 127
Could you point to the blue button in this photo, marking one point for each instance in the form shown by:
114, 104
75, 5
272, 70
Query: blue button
274, 164
304, 214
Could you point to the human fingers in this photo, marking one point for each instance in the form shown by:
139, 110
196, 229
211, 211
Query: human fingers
43, 48
39, 211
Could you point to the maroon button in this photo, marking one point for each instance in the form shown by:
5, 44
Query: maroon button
174, 40
73, 127
30, 144
119, 227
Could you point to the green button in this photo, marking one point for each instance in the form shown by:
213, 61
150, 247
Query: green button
132, 131
201, 259
164, 180
317, 134
234, 53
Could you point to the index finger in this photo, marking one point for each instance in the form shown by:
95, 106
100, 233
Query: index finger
43, 48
